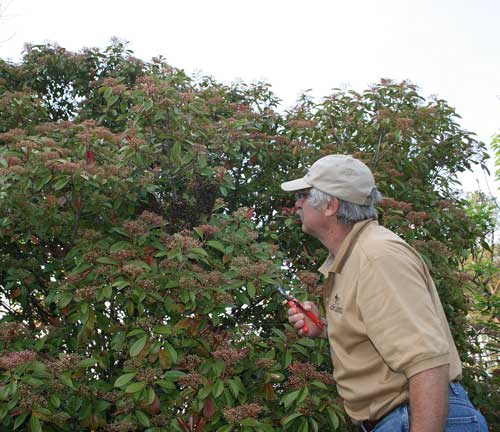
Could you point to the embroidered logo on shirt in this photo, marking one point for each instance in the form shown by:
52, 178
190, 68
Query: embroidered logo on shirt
336, 306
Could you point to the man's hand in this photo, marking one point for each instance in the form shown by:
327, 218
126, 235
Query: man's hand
429, 399
298, 319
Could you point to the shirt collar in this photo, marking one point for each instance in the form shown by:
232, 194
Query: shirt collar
335, 263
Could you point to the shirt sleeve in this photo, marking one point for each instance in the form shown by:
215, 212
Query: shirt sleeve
400, 317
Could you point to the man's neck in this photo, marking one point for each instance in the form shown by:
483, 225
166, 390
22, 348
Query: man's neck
335, 236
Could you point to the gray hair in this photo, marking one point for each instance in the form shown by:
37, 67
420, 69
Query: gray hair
348, 213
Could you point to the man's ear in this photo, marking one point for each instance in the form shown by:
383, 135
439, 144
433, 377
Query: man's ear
332, 207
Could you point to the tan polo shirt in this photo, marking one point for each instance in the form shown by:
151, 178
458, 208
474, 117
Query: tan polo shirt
385, 321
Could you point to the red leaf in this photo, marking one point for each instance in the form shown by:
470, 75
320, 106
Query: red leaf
150, 259
201, 424
183, 425
35, 239
209, 409
90, 157
249, 213
193, 420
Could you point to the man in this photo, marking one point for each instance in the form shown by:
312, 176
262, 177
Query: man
391, 346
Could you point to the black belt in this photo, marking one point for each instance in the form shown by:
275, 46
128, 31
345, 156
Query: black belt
369, 425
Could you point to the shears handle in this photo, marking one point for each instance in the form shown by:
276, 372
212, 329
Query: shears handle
314, 318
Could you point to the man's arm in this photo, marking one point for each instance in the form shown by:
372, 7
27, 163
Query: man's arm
429, 399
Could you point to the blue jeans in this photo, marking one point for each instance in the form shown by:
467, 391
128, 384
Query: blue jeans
462, 416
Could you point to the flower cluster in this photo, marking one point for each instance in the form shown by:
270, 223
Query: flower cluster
62, 364
151, 219
208, 231
310, 281
149, 375
135, 228
30, 399
304, 124
123, 255
246, 269
12, 359
236, 414
308, 407
115, 85
121, 426
193, 380
230, 356
12, 135
404, 123
435, 246
86, 293
183, 240
418, 218
132, 270
190, 362
302, 373
12, 330
390, 203
265, 363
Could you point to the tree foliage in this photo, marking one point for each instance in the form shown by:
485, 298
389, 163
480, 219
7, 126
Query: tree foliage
143, 233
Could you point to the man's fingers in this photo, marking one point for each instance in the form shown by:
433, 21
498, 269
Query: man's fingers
299, 324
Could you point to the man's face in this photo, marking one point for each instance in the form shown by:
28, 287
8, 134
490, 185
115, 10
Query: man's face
313, 219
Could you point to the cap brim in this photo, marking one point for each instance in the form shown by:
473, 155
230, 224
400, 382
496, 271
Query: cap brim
295, 185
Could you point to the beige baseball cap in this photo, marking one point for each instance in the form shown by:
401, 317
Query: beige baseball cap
341, 176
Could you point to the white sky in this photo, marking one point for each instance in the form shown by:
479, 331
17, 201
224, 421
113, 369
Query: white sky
449, 48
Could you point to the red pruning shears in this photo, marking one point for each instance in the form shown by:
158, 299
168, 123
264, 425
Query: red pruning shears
293, 302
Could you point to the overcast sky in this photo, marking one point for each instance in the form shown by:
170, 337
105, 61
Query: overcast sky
449, 48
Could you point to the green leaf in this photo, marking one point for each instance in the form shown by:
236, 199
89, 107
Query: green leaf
218, 388
4, 393
233, 387
124, 379
290, 397
88, 362
217, 245
314, 424
35, 425
171, 351
227, 428
173, 375
136, 387
290, 418
176, 151
107, 260
164, 330
65, 378
121, 245
47, 178
204, 392
334, 419
138, 345
251, 290
135, 332
55, 401
20, 420
150, 395
143, 418
304, 427
61, 183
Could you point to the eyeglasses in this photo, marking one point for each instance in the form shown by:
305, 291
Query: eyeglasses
303, 194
